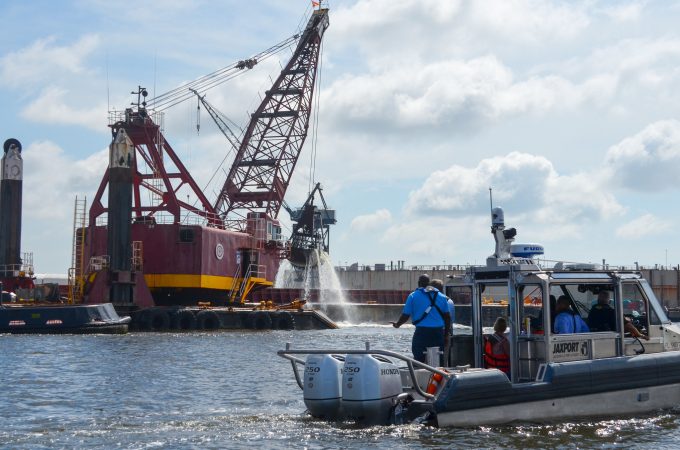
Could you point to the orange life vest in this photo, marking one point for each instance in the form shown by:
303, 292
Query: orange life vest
491, 361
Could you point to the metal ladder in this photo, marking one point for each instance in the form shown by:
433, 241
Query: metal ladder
233, 293
137, 256
75, 272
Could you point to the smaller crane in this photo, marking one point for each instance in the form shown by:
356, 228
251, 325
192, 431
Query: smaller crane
311, 228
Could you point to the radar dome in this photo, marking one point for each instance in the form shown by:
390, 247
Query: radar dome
529, 251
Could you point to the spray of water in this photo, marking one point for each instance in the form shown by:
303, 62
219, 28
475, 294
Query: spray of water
319, 274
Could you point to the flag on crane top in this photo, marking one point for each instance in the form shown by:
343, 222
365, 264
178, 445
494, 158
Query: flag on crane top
315, 4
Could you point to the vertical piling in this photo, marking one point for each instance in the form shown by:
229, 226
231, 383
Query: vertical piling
121, 163
11, 185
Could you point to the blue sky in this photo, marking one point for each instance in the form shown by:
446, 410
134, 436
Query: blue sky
569, 110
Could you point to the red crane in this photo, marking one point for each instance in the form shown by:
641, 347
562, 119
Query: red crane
192, 250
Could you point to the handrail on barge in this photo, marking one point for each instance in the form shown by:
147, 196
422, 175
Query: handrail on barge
410, 362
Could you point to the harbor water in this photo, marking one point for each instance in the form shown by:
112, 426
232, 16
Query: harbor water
230, 390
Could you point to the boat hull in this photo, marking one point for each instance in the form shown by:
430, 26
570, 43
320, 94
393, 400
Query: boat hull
610, 386
607, 404
62, 319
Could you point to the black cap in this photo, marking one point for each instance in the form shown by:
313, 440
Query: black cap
9, 142
423, 280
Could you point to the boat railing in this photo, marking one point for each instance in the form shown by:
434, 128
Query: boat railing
16, 270
411, 363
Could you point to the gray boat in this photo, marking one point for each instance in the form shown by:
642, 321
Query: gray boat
630, 367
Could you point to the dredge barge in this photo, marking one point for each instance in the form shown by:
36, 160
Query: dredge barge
155, 246
548, 375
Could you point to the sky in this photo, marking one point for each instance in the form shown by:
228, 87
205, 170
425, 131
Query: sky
569, 111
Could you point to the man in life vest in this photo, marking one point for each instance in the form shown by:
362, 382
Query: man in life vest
439, 285
429, 312
497, 348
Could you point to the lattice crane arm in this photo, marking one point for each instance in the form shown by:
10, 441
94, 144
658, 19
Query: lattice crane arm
272, 142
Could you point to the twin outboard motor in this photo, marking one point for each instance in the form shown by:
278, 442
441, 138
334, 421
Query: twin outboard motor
359, 387
322, 388
370, 386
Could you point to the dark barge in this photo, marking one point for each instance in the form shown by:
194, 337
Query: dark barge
61, 319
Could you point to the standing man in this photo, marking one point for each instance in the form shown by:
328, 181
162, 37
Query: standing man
429, 312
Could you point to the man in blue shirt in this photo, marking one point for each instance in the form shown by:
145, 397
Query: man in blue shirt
566, 320
429, 312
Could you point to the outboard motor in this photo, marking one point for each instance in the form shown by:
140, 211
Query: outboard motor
370, 386
322, 388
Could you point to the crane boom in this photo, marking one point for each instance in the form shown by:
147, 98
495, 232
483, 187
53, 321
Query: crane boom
271, 144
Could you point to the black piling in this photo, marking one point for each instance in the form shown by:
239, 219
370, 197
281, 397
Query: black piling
11, 185
121, 158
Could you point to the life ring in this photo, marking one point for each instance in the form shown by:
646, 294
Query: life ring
183, 319
435, 383
159, 320
207, 320
283, 320
259, 320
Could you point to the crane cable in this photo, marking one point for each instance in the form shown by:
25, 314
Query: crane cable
206, 82
315, 128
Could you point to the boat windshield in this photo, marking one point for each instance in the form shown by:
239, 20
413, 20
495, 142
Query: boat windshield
653, 302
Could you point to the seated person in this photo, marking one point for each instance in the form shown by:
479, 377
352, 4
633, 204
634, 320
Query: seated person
497, 347
566, 320
602, 317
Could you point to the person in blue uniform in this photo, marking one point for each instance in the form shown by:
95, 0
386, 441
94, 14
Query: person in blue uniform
429, 312
566, 320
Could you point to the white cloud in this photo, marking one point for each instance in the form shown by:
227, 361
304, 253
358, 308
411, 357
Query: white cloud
435, 240
646, 225
376, 221
45, 61
416, 28
625, 12
518, 178
51, 107
530, 21
454, 93
52, 179
649, 160
527, 186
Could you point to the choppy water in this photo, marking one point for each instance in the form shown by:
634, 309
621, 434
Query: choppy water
230, 390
